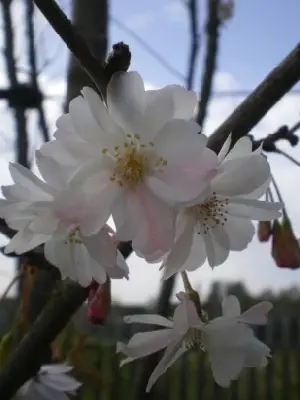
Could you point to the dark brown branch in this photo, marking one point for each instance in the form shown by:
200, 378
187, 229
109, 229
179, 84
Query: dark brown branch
212, 30
20, 119
260, 101
33, 67
193, 13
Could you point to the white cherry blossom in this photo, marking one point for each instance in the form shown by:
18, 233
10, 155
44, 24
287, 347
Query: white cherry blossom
228, 340
219, 220
138, 155
51, 383
61, 217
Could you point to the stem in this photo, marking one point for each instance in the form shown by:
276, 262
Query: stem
279, 196
286, 155
186, 283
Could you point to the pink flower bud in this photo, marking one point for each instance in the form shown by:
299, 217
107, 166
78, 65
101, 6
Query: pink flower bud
99, 302
285, 247
264, 231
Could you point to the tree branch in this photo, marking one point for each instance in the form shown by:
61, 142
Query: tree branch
194, 41
260, 101
212, 31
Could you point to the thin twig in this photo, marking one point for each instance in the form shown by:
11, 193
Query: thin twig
280, 198
286, 155
212, 31
193, 13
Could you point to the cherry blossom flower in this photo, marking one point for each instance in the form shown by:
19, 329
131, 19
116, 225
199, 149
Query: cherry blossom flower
138, 155
228, 339
62, 218
219, 221
51, 382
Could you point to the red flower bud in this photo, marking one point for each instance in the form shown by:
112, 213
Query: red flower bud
264, 231
99, 302
285, 246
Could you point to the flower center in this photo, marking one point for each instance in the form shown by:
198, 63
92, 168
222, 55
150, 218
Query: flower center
74, 236
193, 338
133, 161
210, 214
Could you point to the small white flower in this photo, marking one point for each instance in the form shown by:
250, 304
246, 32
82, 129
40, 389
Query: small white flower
62, 217
228, 340
219, 221
51, 383
137, 155
178, 335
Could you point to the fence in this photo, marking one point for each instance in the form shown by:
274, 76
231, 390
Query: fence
191, 379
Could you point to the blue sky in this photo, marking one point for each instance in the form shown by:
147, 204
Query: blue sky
251, 44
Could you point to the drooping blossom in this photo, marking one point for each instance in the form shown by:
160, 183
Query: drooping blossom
136, 156
51, 383
62, 217
228, 340
285, 246
219, 220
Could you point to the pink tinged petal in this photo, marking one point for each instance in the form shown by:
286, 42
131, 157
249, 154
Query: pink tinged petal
231, 307
85, 123
190, 165
106, 124
152, 319
242, 148
241, 176
154, 220
144, 343
172, 354
24, 241
257, 315
240, 232
45, 224
217, 247
49, 393
126, 101
253, 209
224, 149
226, 365
175, 260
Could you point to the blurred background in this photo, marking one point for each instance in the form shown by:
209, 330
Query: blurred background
226, 46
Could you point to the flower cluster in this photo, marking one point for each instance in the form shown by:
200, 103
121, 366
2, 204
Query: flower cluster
139, 159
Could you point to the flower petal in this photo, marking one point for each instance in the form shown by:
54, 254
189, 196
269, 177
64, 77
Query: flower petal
50, 393
152, 319
217, 248
126, 101
240, 232
226, 365
241, 176
231, 307
224, 149
253, 209
25, 240
257, 315
242, 148
144, 343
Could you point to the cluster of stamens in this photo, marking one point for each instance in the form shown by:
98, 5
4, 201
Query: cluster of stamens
192, 338
209, 214
133, 161
74, 237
